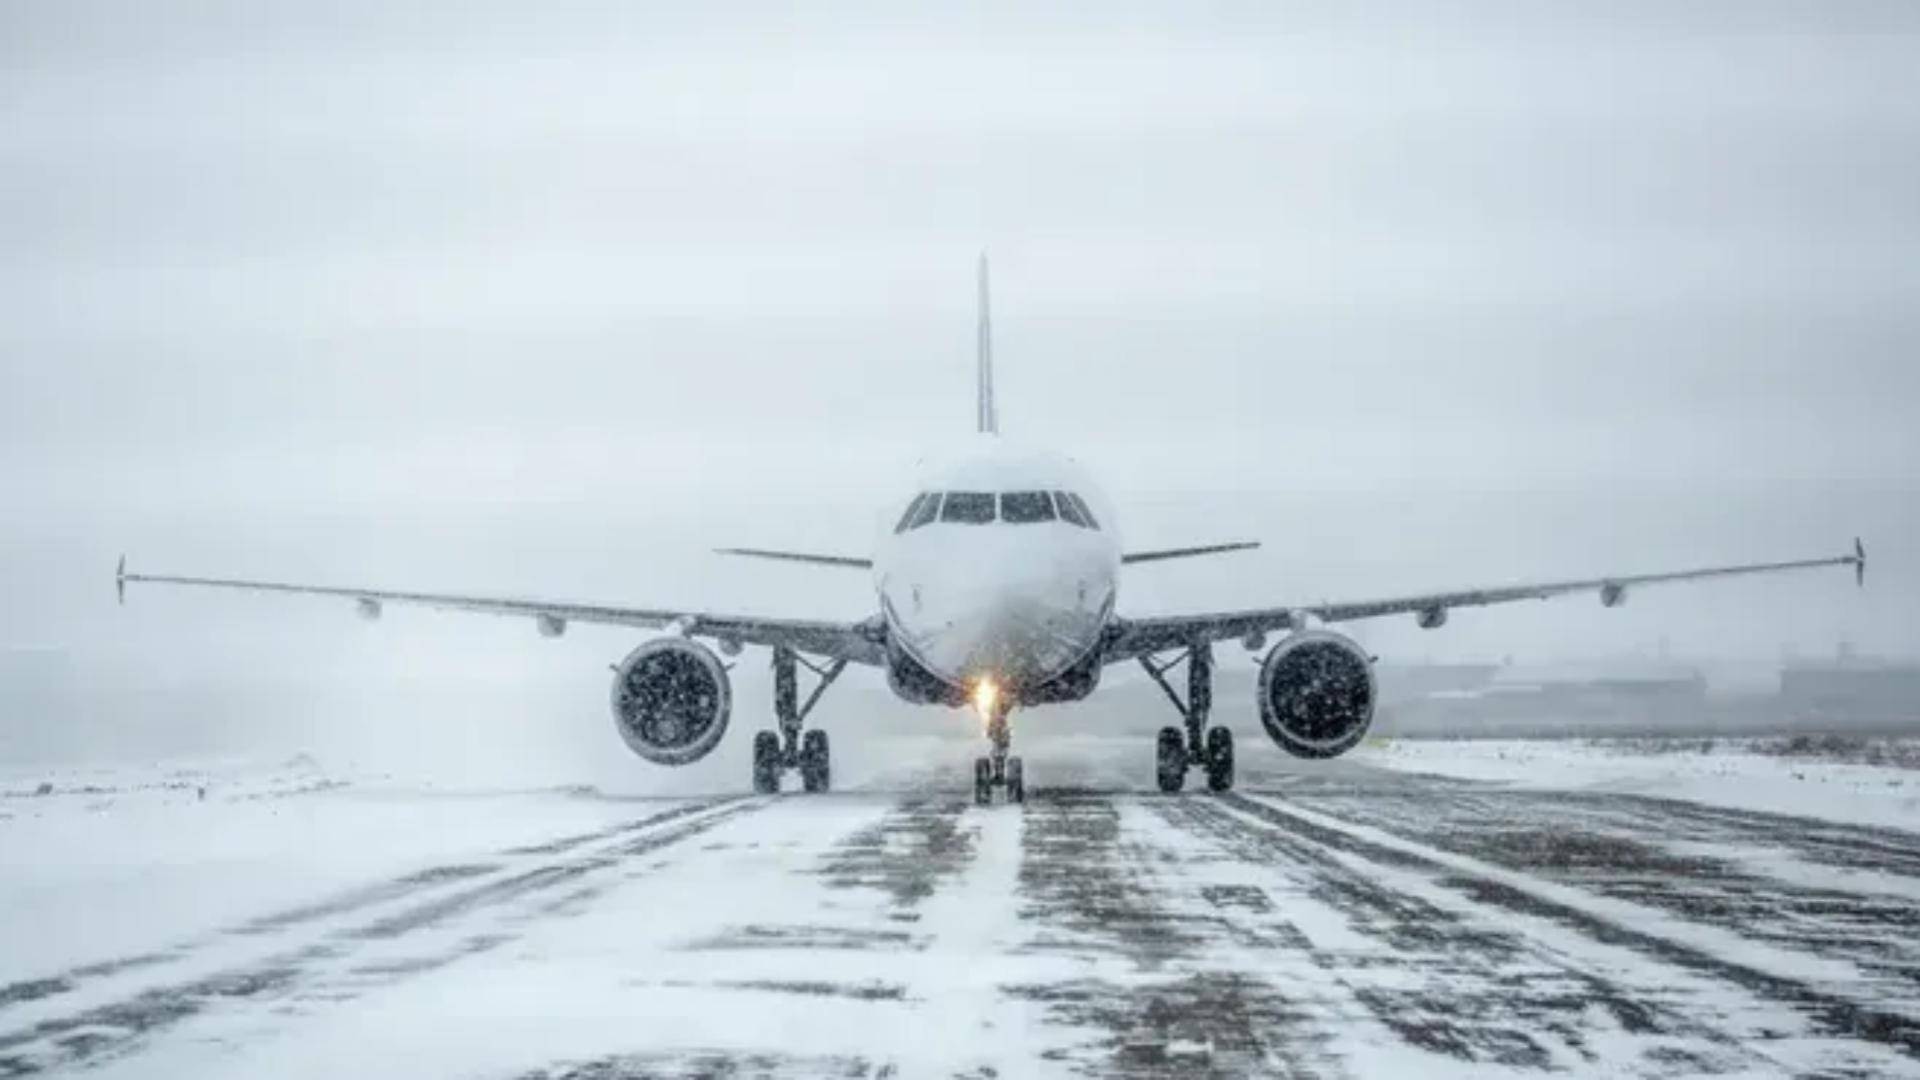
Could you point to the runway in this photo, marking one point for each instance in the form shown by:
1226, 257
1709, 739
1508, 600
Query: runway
1324, 920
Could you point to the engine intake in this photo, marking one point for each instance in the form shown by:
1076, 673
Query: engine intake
1317, 694
671, 700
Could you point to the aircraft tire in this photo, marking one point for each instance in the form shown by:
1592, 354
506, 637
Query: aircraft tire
816, 763
1219, 759
982, 781
1170, 760
766, 763
1016, 781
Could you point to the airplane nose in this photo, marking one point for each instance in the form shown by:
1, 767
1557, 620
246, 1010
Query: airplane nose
1020, 622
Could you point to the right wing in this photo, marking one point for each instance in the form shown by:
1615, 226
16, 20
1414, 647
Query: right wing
861, 642
1129, 638
846, 561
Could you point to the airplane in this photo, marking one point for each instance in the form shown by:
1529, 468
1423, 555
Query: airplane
997, 587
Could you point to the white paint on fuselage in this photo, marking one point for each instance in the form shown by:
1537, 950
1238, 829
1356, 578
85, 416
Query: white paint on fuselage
1015, 603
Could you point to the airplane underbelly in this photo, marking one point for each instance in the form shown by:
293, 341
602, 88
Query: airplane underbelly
1017, 646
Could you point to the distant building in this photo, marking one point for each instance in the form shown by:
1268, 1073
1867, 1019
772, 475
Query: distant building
1852, 692
1606, 699
1411, 682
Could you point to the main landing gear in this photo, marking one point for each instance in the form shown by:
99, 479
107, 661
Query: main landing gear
997, 768
789, 748
1198, 746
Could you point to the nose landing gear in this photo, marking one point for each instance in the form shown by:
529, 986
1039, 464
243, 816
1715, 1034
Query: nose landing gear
790, 748
998, 769
1175, 751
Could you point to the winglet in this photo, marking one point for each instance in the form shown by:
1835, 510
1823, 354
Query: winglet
120, 580
1859, 563
987, 421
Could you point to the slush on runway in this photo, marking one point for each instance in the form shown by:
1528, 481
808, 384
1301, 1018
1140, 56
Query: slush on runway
1325, 919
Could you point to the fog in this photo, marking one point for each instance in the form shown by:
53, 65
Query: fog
552, 300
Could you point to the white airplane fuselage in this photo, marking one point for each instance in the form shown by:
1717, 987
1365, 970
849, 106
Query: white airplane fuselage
1012, 602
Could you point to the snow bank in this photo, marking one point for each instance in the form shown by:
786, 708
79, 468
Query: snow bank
1739, 774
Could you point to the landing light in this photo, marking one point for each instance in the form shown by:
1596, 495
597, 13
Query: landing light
985, 694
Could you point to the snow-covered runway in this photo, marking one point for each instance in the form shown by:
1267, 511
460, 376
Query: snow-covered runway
1326, 920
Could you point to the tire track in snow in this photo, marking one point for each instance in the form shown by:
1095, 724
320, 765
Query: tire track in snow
908, 854
1438, 980
1147, 986
864, 939
1698, 866
1685, 948
321, 969
1436, 806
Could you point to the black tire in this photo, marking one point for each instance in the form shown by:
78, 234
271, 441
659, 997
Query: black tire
982, 781
1219, 759
816, 763
1171, 760
766, 762
1016, 781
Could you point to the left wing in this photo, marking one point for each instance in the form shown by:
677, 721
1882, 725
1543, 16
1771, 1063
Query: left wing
1129, 638
861, 642
1188, 552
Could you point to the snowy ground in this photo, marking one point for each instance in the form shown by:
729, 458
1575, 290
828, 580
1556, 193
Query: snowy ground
1744, 774
1328, 919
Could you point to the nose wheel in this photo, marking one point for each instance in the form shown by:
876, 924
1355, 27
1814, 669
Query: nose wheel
998, 768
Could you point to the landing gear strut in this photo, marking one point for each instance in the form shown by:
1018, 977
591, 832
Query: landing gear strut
1176, 751
998, 768
790, 748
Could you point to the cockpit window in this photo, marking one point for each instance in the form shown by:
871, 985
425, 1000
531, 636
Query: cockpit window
968, 507
1025, 507
1070, 511
929, 507
1086, 511
906, 516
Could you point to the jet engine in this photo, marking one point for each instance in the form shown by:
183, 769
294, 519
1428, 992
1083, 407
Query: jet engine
1317, 694
671, 699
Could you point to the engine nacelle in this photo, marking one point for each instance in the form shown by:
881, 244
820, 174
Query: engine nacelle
1317, 693
1612, 595
671, 699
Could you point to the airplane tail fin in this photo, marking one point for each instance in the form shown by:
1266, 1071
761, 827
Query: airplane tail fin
986, 419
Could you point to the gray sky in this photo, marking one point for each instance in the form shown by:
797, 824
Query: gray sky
551, 298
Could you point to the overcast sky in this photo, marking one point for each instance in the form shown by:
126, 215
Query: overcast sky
551, 298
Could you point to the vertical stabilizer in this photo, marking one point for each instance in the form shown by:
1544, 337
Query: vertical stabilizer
988, 421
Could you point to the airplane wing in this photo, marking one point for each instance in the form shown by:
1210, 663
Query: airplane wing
1188, 552
859, 642
799, 556
1130, 638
